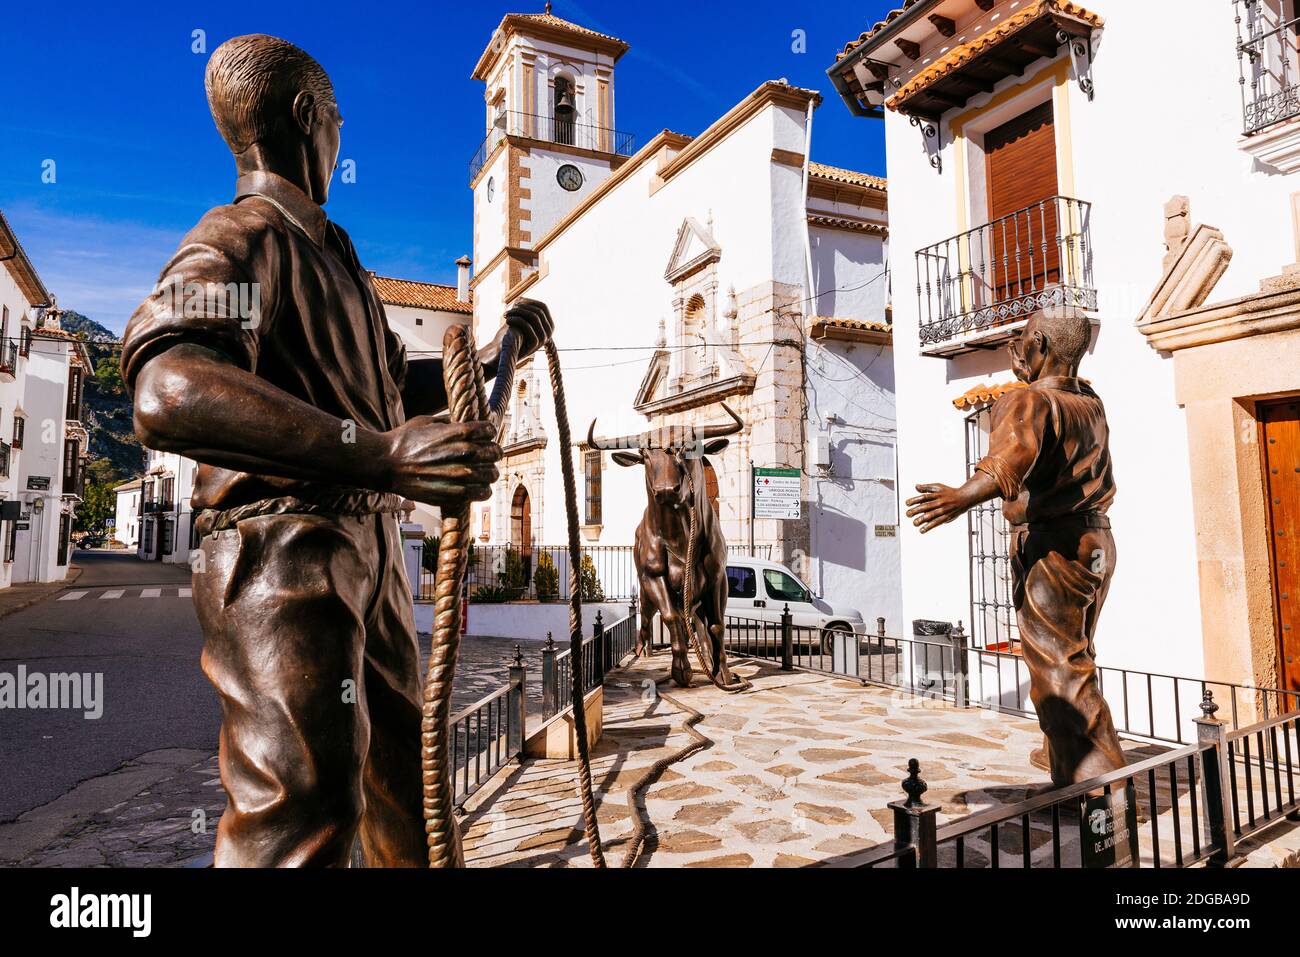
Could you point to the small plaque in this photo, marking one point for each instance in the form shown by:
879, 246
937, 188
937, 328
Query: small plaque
886, 531
1108, 829
40, 483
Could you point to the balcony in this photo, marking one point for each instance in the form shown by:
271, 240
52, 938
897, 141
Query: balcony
162, 505
1267, 64
8, 357
977, 289
548, 129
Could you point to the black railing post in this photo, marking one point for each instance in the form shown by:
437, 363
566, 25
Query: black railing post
915, 822
516, 705
602, 647
1216, 782
960, 681
550, 680
787, 640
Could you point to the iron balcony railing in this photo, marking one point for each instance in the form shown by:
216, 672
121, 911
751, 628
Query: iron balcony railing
549, 129
8, 356
1267, 63
1007, 269
5, 455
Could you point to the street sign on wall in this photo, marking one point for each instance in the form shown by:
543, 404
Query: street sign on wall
777, 493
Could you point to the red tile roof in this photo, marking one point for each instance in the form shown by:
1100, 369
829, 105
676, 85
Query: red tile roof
890, 17
838, 175
419, 295
959, 56
983, 393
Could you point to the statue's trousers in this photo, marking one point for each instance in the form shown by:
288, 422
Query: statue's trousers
1061, 570
310, 641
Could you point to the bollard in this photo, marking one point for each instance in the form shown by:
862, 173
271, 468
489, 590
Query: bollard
915, 822
516, 705
1216, 796
787, 640
550, 680
960, 675
601, 649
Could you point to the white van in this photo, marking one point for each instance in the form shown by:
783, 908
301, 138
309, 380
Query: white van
760, 589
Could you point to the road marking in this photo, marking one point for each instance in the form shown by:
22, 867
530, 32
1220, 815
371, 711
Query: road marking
185, 593
73, 596
117, 593
150, 592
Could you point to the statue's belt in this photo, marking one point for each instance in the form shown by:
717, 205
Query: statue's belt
1086, 519
344, 503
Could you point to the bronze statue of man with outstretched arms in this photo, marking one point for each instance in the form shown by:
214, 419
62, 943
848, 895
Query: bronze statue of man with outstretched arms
265, 355
1049, 461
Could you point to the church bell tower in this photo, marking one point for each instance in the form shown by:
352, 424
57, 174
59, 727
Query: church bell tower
549, 141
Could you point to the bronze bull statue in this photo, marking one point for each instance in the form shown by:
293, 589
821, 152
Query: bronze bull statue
679, 529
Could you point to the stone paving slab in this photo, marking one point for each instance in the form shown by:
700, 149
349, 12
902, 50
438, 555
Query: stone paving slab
801, 771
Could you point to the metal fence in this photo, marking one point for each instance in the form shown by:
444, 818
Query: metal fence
499, 573
1007, 269
602, 651
1186, 806
1146, 705
489, 734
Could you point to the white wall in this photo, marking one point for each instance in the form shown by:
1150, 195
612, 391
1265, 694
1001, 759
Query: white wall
45, 391
1129, 157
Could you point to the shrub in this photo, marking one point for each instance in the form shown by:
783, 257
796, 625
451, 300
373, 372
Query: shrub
546, 579
492, 594
591, 590
429, 557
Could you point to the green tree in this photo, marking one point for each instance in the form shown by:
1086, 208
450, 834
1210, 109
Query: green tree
546, 579
98, 501
591, 587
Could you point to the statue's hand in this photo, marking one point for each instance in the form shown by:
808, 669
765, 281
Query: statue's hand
532, 323
441, 463
936, 505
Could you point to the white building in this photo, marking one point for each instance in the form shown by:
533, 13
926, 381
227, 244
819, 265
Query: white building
51, 466
127, 513
21, 294
695, 270
1033, 149
165, 518
421, 313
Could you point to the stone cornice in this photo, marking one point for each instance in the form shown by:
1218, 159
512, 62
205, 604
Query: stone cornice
742, 384
1254, 315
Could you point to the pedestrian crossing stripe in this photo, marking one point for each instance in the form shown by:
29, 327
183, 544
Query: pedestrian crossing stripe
115, 593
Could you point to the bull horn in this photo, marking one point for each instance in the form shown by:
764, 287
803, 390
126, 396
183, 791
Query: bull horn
625, 442
730, 428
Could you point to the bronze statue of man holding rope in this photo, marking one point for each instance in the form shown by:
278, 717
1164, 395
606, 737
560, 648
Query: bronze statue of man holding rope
311, 427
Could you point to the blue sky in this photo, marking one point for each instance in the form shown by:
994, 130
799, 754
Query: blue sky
113, 94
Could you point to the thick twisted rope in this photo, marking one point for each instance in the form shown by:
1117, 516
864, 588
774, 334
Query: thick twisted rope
463, 376
590, 825
464, 381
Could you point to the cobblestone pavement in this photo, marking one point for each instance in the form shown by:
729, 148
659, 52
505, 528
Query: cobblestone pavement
162, 808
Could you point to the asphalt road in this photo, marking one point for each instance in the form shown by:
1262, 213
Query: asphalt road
147, 649
134, 623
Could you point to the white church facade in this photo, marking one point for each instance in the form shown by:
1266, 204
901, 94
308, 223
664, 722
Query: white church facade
691, 271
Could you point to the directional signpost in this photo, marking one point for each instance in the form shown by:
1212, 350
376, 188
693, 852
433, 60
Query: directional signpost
777, 493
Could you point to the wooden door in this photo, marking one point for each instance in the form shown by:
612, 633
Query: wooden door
1280, 433
1020, 170
521, 529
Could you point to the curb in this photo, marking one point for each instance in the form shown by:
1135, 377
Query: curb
74, 572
